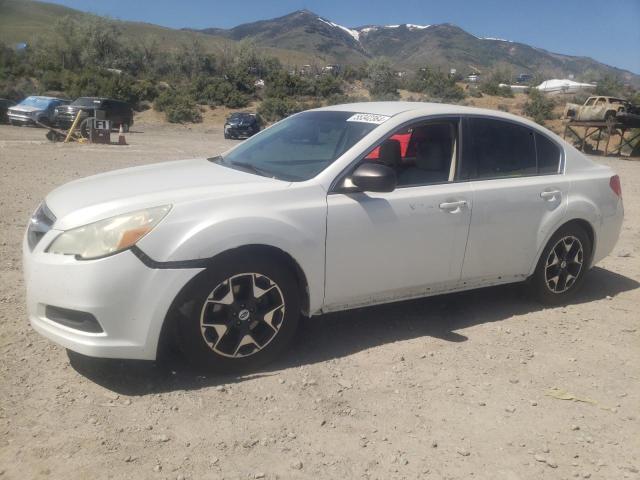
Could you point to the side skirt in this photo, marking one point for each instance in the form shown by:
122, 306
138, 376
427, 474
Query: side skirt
423, 293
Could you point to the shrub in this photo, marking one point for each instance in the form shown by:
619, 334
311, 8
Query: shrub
218, 91
492, 87
382, 81
144, 90
341, 98
274, 109
327, 85
178, 107
51, 80
183, 110
436, 85
609, 86
538, 106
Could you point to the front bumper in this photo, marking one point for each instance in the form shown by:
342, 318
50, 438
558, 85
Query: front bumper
128, 299
65, 119
18, 118
235, 131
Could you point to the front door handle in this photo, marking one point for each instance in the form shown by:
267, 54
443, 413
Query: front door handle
453, 207
550, 195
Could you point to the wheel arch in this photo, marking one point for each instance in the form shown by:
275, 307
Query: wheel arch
586, 225
169, 324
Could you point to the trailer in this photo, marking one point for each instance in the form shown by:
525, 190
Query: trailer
628, 134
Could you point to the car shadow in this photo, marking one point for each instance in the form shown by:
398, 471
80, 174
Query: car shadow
341, 334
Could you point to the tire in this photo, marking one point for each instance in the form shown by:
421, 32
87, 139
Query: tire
213, 324
610, 116
226, 136
83, 128
559, 275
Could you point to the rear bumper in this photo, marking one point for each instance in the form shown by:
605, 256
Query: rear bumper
128, 300
608, 233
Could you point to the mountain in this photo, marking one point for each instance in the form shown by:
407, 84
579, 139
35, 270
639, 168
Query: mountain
302, 31
411, 46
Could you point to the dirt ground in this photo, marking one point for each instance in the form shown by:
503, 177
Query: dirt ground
484, 384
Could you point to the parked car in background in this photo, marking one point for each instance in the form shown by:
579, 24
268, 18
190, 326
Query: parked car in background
603, 109
4, 107
35, 109
226, 253
118, 112
241, 124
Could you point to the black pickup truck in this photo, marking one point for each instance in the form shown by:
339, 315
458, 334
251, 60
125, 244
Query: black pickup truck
120, 113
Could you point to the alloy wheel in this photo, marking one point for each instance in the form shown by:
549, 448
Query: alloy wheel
242, 315
564, 264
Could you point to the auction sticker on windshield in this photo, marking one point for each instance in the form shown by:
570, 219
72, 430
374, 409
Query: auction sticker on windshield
368, 118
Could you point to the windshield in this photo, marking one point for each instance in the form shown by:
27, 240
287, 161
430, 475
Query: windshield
299, 147
38, 102
86, 102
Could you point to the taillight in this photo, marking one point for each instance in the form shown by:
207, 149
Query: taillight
614, 183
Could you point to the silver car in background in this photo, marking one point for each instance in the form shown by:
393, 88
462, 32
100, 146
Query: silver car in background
35, 109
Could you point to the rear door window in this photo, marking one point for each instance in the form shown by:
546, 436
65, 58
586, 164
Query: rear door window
497, 149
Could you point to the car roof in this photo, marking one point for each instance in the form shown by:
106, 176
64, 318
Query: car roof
422, 108
43, 97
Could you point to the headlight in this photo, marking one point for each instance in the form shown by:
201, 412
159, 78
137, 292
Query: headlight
108, 236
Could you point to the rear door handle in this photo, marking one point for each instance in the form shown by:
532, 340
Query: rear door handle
550, 194
453, 207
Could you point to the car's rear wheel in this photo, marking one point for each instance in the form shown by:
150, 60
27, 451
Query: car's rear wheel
562, 265
239, 314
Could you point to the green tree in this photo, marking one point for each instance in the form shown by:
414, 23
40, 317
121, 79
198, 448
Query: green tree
436, 85
538, 106
382, 81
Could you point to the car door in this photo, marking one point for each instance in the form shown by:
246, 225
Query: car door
518, 192
405, 243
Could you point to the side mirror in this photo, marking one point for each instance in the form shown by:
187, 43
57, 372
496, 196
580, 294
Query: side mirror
374, 177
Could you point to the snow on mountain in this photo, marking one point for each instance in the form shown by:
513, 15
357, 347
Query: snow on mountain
495, 39
354, 33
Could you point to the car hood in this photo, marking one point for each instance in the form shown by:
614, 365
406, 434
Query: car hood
25, 108
75, 108
101, 196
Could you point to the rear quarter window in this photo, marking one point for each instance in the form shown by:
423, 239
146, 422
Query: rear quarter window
548, 154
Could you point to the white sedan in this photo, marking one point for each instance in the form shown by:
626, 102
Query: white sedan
330, 209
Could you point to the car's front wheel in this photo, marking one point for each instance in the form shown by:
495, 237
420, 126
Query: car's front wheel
239, 314
562, 265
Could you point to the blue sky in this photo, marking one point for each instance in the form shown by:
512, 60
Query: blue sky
608, 31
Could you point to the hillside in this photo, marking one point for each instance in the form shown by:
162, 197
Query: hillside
27, 20
411, 46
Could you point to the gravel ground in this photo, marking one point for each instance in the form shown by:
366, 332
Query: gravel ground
484, 384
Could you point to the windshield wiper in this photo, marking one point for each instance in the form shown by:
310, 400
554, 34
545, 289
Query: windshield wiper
243, 165
252, 168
